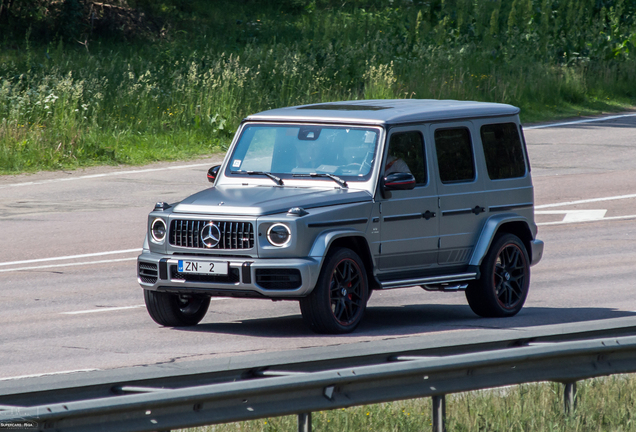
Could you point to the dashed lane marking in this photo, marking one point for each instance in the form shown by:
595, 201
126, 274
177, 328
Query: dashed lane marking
47, 374
586, 201
69, 257
107, 309
612, 218
571, 216
66, 265
599, 119
110, 174
110, 309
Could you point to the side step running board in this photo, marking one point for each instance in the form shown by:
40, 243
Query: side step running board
453, 287
433, 280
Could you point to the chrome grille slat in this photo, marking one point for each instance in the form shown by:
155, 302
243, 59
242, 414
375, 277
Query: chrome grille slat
234, 235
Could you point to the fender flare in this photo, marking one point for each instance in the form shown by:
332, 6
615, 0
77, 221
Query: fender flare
488, 232
325, 239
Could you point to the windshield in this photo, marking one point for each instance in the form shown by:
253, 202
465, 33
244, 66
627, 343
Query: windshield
285, 150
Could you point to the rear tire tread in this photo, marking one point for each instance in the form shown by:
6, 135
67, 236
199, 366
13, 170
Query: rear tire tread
481, 294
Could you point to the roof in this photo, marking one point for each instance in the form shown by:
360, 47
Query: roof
386, 111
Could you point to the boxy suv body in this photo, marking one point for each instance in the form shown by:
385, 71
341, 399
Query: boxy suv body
325, 203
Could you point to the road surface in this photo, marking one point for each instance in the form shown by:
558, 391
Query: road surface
69, 242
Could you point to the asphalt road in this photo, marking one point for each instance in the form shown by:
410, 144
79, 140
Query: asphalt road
68, 242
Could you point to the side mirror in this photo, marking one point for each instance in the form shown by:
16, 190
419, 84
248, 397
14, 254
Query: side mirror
399, 181
213, 172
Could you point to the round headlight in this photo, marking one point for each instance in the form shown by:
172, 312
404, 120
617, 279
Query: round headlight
279, 235
158, 230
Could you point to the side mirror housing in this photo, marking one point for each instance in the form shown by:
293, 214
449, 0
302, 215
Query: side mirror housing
213, 173
399, 181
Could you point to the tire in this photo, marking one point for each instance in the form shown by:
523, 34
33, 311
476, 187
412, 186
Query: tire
337, 303
503, 285
174, 310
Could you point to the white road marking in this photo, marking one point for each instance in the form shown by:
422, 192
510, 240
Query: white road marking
109, 309
586, 201
571, 216
68, 257
597, 220
579, 121
48, 374
110, 174
66, 265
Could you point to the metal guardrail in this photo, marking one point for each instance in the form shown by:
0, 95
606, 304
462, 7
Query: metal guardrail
267, 392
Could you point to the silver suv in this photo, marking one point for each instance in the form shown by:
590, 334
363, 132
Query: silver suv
326, 203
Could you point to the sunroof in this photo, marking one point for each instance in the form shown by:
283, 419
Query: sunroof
341, 107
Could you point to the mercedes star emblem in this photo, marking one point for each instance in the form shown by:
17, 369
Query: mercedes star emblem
210, 235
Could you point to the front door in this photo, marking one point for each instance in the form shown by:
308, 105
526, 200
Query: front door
408, 218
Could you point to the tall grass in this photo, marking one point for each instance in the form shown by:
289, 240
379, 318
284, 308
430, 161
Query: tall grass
604, 404
64, 105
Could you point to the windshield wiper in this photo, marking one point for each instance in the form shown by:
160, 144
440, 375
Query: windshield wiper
277, 180
337, 179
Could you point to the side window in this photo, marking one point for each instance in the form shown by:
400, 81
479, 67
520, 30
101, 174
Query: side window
503, 151
406, 154
454, 155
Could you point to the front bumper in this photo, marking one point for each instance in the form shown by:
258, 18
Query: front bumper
537, 251
247, 277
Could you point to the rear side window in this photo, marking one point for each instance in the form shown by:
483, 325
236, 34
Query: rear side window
454, 155
503, 151
406, 154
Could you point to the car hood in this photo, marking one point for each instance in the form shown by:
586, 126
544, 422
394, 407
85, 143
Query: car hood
264, 200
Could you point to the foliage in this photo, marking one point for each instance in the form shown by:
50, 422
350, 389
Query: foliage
85, 82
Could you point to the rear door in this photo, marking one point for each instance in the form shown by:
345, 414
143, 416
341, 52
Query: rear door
462, 201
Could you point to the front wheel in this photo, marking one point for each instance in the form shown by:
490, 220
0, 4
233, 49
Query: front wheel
338, 301
503, 285
176, 310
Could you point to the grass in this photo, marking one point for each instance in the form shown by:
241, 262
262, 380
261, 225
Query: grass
603, 404
133, 101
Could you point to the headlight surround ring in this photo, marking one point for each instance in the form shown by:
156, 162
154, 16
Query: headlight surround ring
279, 235
158, 230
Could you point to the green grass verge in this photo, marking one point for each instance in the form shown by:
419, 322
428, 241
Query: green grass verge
603, 404
132, 102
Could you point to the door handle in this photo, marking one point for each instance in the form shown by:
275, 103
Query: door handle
428, 214
478, 210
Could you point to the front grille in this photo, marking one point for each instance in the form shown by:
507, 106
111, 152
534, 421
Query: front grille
232, 276
147, 272
279, 279
234, 235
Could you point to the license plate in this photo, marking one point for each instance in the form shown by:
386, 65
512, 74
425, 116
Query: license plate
203, 267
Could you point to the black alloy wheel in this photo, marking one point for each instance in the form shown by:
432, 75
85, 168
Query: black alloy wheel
345, 291
337, 303
509, 276
503, 285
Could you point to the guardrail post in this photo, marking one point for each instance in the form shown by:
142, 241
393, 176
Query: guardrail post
304, 422
569, 398
439, 413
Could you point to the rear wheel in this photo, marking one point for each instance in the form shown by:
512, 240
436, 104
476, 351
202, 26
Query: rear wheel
503, 285
176, 310
338, 301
